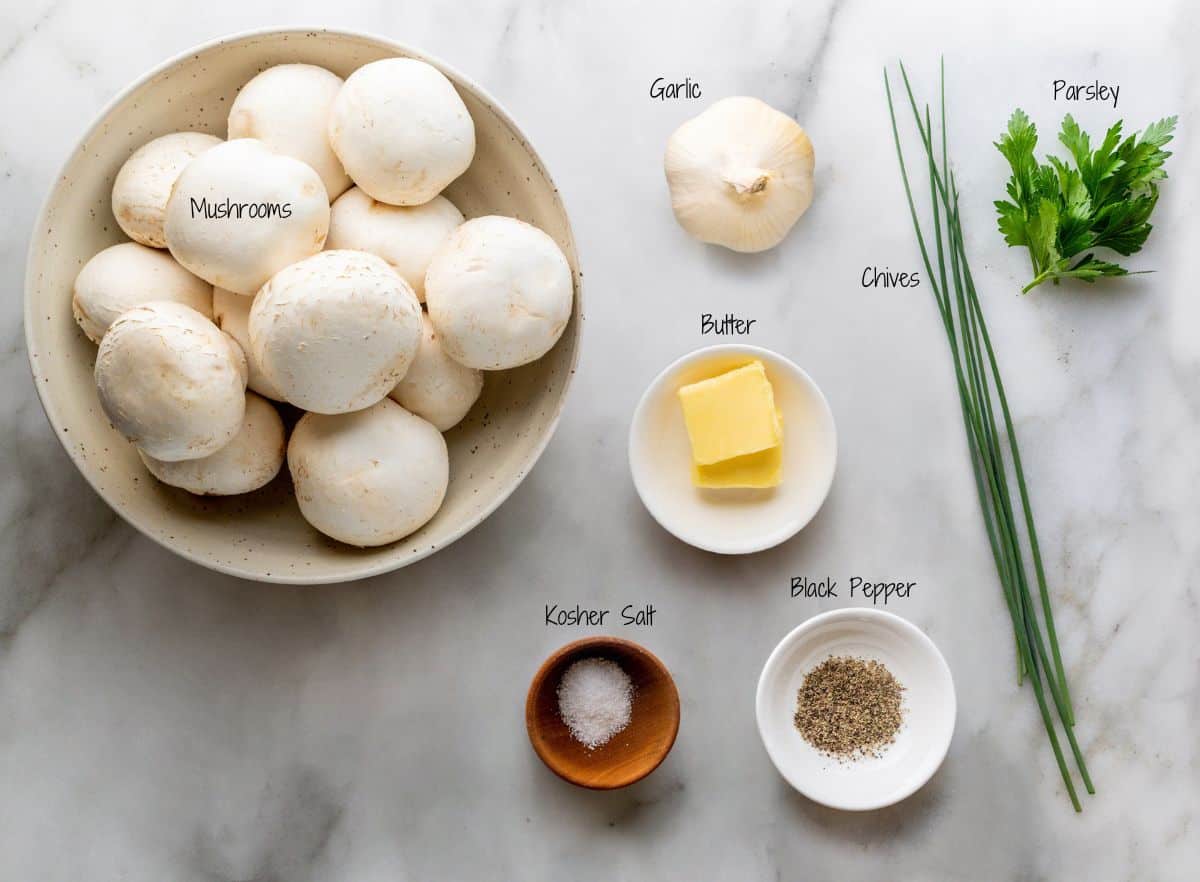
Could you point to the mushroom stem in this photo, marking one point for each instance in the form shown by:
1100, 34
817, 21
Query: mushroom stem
747, 181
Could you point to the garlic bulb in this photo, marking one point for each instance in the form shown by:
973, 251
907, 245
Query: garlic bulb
740, 174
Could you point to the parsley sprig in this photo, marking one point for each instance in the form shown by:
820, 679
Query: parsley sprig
1063, 213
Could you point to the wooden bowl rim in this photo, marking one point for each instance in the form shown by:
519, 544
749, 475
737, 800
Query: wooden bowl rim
599, 643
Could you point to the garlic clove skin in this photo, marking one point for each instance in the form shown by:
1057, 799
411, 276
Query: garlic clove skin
740, 174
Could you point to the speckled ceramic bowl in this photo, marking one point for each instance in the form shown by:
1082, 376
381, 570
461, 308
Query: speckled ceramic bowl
262, 535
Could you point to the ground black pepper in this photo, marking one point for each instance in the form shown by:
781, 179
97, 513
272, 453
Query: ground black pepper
849, 707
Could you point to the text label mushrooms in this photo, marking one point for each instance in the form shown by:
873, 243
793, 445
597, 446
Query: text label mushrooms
437, 388
499, 292
239, 213
287, 108
334, 333
406, 237
127, 275
171, 382
370, 477
247, 462
143, 185
401, 130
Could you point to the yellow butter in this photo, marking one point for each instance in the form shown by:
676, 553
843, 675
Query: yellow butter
731, 415
762, 469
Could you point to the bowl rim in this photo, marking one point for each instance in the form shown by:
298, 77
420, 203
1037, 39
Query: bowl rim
773, 539
384, 565
598, 642
898, 624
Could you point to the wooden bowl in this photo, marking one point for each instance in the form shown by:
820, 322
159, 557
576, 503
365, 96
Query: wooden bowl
634, 752
262, 535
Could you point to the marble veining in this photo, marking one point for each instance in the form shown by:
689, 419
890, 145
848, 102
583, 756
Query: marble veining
160, 722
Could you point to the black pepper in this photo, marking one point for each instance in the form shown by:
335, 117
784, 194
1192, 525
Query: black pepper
849, 708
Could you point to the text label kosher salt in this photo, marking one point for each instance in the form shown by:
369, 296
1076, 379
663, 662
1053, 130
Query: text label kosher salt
1094, 91
227, 209
576, 616
876, 592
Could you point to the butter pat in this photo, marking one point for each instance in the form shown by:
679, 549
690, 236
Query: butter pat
734, 428
762, 469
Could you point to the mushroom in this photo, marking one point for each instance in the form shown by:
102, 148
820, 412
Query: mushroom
499, 292
287, 108
437, 388
127, 275
239, 356
370, 477
334, 333
406, 237
143, 185
249, 461
231, 313
170, 381
239, 213
740, 174
401, 130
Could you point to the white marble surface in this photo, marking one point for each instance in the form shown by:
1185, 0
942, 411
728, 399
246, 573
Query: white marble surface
160, 722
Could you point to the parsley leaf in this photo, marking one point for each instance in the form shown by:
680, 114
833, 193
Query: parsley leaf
1102, 198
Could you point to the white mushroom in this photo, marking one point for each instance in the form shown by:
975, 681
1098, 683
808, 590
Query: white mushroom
143, 185
437, 388
499, 292
370, 477
287, 108
247, 462
127, 275
401, 130
406, 237
334, 333
170, 381
239, 213
231, 313
239, 356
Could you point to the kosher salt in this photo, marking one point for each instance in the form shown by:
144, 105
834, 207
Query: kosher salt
595, 700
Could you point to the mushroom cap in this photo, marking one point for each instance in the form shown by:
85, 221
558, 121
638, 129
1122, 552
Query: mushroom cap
249, 461
334, 333
143, 185
287, 108
170, 381
242, 251
401, 130
127, 275
231, 313
405, 236
499, 292
239, 356
369, 477
437, 388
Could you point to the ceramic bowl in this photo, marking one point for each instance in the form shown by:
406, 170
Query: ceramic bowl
632, 753
262, 535
929, 709
732, 521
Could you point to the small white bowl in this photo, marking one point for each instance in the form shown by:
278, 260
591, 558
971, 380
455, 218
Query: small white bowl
929, 709
732, 521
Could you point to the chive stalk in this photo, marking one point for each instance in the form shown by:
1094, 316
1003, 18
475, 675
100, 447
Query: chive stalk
981, 397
